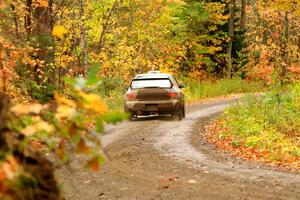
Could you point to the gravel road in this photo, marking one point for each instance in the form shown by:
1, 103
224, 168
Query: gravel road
161, 158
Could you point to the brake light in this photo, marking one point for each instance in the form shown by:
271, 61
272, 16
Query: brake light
173, 94
130, 96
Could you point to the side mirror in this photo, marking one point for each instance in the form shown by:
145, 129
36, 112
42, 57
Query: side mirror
182, 85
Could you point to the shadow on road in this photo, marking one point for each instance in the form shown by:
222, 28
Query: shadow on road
152, 118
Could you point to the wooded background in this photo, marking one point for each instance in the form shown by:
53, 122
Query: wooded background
42, 41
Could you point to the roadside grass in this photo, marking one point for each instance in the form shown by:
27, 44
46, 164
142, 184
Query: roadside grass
194, 91
267, 126
197, 91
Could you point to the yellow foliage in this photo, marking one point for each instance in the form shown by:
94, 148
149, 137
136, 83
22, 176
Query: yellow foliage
22, 109
93, 102
66, 108
63, 101
65, 112
38, 126
59, 31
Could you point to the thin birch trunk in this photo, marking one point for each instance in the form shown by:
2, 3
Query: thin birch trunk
231, 37
83, 39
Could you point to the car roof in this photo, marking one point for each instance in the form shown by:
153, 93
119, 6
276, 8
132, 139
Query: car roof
154, 76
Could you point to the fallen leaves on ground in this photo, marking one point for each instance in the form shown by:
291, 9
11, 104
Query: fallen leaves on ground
242, 151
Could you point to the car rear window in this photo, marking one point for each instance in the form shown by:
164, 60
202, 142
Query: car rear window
151, 83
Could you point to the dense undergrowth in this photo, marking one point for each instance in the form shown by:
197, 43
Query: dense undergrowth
269, 124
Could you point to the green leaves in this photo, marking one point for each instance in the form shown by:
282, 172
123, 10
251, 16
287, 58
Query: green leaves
99, 125
196, 26
266, 124
113, 118
91, 82
92, 77
70, 120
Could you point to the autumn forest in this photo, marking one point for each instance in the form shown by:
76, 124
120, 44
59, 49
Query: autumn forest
65, 66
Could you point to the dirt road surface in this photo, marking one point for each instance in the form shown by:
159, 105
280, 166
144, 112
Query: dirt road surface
164, 159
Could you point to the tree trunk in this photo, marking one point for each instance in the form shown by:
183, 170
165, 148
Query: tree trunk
43, 19
28, 16
50, 3
33, 163
42, 29
285, 47
231, 36
15, 18
105, 26
83, 39
287, 39
243, 14
3, 77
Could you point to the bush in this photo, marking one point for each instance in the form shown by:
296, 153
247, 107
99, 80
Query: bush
43, 93
269, 123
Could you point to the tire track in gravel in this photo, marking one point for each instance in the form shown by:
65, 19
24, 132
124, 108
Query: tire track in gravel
164, 159
176, 143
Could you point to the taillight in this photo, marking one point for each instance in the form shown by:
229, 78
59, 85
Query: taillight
173, 94
130, 96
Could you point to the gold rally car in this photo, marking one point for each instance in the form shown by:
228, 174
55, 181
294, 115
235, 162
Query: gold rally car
155, 94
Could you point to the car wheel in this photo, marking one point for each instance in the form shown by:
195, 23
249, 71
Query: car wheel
179, 114
183, 111
132, 116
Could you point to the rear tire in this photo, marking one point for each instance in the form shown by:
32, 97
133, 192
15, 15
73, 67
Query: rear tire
179, 114
132, 116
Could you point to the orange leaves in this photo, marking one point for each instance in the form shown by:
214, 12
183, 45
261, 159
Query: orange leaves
8, 57
271, 36
43, 3
295, 71
82, 147
9, 170
94, 164
10, 167
3, 4
214, 135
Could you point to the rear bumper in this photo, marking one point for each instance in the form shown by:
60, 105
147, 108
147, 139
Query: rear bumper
148, 107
